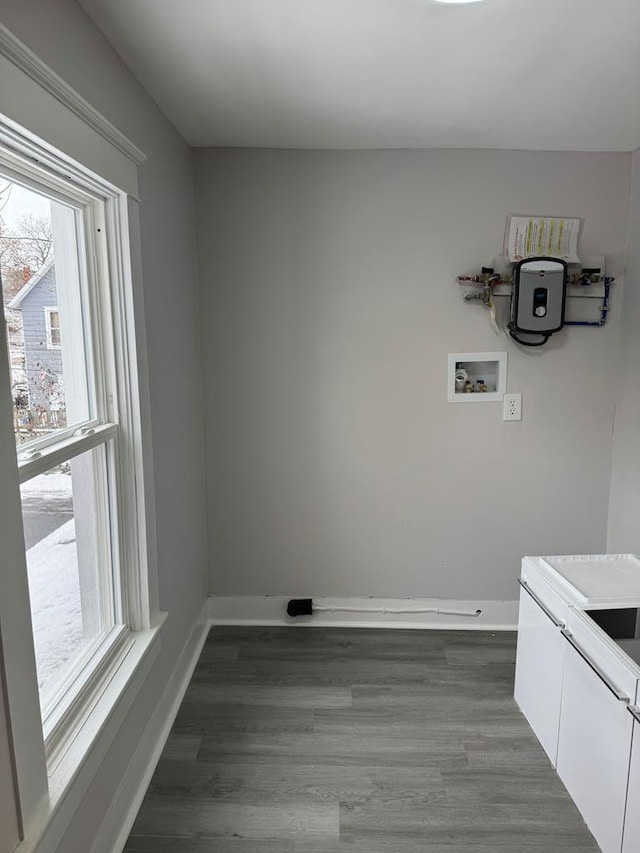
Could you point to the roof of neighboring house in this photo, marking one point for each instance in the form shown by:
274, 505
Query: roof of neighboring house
35, 279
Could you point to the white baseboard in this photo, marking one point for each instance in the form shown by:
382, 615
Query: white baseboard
116, 826
272, 610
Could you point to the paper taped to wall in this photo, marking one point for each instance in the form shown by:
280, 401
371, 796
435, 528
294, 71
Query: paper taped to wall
533, 236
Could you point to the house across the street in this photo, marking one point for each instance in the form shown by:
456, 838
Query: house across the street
39, 404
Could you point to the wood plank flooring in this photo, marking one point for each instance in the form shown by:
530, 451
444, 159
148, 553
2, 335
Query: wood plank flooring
311, 740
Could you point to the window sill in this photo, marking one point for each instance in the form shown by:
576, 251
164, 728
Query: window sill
78, 758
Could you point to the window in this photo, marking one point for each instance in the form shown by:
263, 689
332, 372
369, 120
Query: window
68, 316
52, 323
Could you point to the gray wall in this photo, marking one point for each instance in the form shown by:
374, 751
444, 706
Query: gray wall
335, 465
624, 507
64, 37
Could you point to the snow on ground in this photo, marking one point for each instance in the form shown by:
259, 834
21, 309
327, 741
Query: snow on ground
52, 568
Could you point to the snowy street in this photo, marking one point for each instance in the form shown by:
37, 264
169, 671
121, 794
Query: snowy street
40, 520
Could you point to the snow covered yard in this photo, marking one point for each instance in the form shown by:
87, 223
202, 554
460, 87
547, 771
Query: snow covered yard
54, 589
52, 568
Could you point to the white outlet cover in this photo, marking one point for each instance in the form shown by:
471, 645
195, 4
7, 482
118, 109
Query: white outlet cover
512, 407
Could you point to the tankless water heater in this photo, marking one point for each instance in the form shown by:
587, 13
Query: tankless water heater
538, 299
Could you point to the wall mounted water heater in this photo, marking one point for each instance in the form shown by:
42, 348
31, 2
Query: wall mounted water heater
538, 299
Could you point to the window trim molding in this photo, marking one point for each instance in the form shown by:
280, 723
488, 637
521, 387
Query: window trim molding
125, 380
78, 758
60, 718
131, 501
106, 213
31, 64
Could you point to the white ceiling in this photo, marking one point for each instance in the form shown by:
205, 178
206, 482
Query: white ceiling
532, 74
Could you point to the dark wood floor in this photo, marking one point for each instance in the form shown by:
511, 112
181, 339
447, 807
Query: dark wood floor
303, 740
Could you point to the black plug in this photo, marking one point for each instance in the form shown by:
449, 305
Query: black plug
300, 607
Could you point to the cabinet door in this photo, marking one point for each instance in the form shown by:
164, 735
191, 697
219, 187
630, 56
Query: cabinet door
594, 746
631, 843
539, 662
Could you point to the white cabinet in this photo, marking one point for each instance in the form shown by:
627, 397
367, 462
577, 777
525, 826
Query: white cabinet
594, 741
631, 842
578, 684
539, 662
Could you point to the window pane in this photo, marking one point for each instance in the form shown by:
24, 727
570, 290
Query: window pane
67, 550
43, 297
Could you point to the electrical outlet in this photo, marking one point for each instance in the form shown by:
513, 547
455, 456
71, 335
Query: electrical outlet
512, 407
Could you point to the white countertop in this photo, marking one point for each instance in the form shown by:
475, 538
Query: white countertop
595, 580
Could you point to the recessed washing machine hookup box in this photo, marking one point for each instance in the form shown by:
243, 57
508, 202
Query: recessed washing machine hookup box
476, 377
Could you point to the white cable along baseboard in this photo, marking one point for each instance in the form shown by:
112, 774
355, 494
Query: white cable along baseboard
367, 613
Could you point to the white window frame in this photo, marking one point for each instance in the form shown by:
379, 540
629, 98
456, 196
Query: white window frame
116, 420
48, 311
